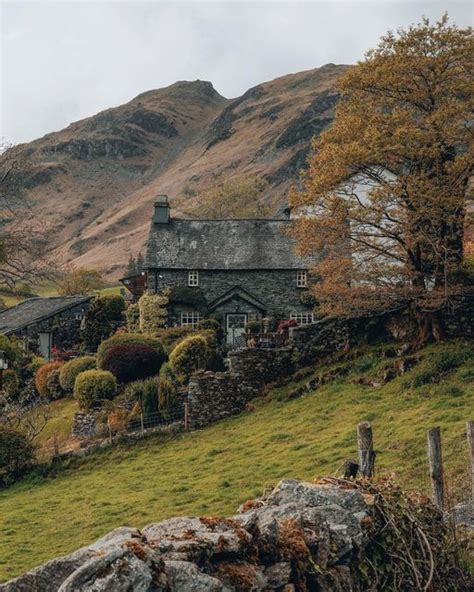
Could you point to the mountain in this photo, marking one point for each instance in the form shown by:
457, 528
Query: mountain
93, 183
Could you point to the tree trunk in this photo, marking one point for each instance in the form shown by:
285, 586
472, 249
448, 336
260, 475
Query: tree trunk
429, 327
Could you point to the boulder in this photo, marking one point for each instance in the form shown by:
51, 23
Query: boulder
300, 535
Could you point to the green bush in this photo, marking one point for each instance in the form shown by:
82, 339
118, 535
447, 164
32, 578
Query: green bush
153, 312
102, 318
16, 456
190, 355
70, 370
127, 339
145, 393
171, 336
93, 387
133, 317
114, 306
168, 389
13, 353
253, 327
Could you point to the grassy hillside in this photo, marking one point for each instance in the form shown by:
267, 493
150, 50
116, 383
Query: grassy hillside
212, 470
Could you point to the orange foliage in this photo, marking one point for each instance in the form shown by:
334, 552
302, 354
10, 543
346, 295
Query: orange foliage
41, 377
386, 184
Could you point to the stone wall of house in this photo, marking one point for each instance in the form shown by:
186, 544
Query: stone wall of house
65, 327
83, 425
214, 395
275, 288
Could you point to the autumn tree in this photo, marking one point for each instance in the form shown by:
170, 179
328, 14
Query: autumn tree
238, 197
78, 280
387, 182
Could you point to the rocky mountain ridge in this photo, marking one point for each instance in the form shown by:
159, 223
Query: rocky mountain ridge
93, 183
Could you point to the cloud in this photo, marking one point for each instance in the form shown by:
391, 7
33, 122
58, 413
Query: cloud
62, 61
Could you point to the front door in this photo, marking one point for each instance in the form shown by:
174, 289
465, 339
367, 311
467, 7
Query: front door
235, 327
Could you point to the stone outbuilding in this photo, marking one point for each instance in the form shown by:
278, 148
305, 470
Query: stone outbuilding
44, 323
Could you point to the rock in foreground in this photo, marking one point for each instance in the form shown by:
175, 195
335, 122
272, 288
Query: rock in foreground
303, 536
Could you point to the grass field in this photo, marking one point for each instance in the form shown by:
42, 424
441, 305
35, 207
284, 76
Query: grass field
213, 470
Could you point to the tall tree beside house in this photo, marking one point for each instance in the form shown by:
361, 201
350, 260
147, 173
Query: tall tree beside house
387, 182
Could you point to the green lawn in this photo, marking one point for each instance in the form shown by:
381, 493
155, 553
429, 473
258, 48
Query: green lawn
212, 470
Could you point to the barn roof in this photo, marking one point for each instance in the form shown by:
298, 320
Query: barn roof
35, 310
223, 244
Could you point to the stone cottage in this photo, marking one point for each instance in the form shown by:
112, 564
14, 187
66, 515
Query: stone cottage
232, 270
43, 323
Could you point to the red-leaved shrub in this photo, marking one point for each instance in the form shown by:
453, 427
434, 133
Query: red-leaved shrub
41, 378
131, 361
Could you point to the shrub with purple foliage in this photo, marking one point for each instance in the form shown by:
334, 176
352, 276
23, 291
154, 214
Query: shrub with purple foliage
132, 361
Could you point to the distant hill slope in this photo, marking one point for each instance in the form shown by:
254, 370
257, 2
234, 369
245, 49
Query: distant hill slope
94, 182
211, 471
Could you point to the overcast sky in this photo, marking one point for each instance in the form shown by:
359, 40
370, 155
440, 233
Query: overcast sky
62, 61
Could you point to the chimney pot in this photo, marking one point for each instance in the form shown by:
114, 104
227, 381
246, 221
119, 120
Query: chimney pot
162, 210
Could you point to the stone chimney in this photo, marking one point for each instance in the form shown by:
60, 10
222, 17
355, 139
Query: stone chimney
162, 210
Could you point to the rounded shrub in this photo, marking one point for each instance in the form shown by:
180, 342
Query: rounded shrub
190, 355
131, 361
114, 306
71, 369
93, 387
41, 377
16, 456
128, 339
171, 336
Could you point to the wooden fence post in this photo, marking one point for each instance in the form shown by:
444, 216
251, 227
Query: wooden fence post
109, 430
436, 466
470, 441
142, 422
186, 416
365, 442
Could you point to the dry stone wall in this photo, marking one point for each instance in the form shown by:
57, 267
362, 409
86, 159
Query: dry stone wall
83, 425
214, 395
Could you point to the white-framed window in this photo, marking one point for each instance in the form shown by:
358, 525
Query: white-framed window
301, 278
193, 279
190, 319
302, 318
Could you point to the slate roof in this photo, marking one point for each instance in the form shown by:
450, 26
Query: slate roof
34, 310
222, 244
